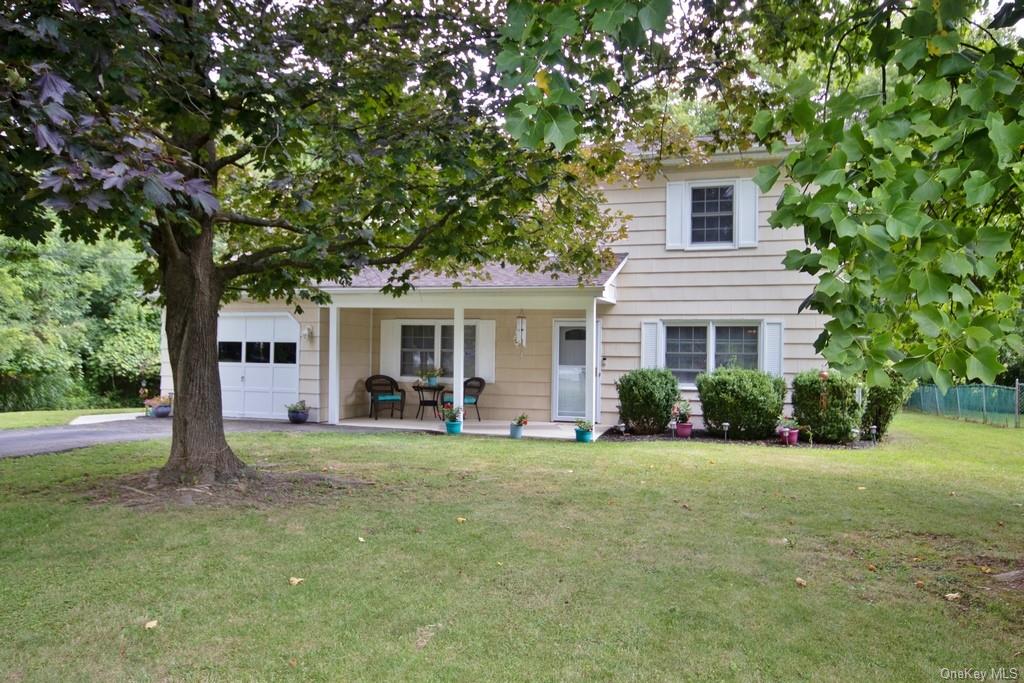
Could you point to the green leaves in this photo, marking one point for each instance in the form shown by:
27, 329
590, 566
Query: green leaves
1007, 137
984, 365
979, 189
765, 177
910, 203
560, 130
653, 15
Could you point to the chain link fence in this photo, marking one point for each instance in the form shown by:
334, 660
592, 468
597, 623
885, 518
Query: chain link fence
986, 403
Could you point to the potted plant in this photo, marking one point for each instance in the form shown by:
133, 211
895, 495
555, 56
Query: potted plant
297, 412
681, 415
429, 376
515, 430
584, 431
452, 421
159, 406
789, 431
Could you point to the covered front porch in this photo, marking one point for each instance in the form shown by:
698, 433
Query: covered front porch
536, 347
563, 431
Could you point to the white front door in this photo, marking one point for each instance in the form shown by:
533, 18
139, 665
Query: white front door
259, 370
570, 370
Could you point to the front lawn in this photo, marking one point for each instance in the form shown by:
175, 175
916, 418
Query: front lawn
640, 560
51, 418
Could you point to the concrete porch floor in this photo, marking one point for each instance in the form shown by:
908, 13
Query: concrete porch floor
534, 430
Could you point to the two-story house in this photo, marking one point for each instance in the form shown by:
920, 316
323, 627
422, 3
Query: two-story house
698, 283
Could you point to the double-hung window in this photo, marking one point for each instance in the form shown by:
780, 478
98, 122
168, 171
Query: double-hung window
691, 349
711, 214
409, 347
423, 346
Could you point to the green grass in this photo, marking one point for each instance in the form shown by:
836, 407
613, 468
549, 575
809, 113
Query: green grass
50, 418
640, 561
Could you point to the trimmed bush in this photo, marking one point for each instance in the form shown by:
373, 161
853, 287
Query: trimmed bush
827, 407
882, 403
749, 400
646, 398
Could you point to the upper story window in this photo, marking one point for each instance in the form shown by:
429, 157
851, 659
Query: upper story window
711, 214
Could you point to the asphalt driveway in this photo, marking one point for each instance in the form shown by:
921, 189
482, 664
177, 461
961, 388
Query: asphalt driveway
39, 440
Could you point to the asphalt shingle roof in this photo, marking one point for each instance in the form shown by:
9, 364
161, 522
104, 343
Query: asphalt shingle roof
495, 276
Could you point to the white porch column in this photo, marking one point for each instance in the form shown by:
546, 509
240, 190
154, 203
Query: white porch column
333, 366
459, 356
591, 373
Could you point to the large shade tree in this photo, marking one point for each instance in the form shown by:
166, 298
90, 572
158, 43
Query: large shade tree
262, 147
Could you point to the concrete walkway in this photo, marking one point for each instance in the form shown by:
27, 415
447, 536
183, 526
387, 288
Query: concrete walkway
561, 431
39, 440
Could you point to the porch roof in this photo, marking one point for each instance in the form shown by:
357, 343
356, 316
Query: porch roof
493, 276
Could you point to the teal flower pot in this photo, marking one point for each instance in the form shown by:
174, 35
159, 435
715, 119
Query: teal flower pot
584, 436
431, 381
453, 427
515, 431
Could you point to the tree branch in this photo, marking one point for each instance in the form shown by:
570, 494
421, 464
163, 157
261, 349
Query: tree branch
218, 164
242, 219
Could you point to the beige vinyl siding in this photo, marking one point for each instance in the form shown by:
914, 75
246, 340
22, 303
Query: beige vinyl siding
658, 283
356, 359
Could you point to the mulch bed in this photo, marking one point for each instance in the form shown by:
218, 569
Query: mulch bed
615, 434
258, 489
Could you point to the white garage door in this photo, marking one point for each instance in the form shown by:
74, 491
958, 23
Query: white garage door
259, 369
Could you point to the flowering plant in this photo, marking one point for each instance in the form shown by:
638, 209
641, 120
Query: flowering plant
584, 425
681, 411
450, 413
158, 401
521, 420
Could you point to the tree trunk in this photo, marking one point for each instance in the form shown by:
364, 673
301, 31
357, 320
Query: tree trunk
192, 290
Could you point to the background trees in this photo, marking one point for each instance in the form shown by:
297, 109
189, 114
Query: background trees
75, 329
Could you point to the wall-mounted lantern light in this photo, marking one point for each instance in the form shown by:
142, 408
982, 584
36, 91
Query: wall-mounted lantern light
520, 336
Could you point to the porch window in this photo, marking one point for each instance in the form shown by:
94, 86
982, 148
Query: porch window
448, 350
423, 345
418, 352
408, 345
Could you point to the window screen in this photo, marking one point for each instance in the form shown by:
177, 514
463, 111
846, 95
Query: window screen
417, 349
711, 215
686, 352
448, 351
736, 347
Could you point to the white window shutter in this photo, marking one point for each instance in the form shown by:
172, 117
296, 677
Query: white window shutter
677, 215
390, 348
747, 217
485, 349
771, 348
649, 332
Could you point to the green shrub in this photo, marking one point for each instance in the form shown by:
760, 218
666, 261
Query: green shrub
882, 403
749, 400
646, 398
827, 407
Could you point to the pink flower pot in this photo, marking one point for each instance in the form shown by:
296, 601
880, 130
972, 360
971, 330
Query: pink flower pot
784, 436
794, 436
684, 430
